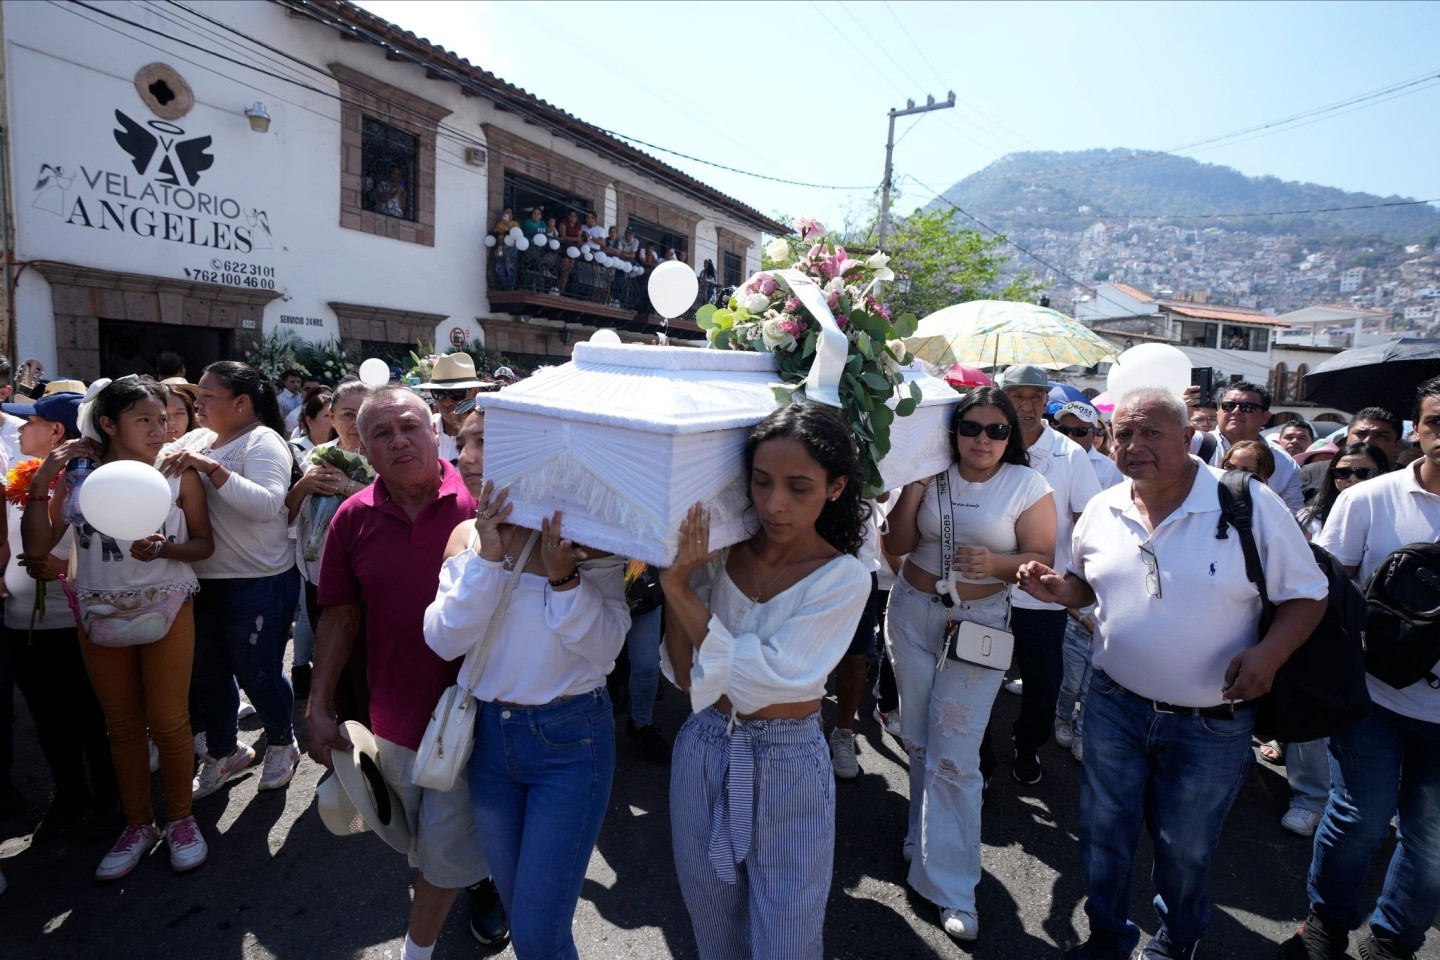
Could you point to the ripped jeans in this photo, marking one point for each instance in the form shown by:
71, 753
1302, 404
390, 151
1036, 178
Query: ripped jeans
943, 715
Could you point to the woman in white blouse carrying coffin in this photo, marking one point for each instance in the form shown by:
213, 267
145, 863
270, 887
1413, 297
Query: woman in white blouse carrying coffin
1002, 515
752, 636
544, 756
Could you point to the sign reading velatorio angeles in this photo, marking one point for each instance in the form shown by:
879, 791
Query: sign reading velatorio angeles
154, 192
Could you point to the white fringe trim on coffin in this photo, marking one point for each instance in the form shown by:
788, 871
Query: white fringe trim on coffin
647, 357
612, 520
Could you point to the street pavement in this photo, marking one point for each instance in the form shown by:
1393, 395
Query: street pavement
277, 885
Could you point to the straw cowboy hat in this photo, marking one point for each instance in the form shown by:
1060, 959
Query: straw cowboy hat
454, 371
370, 796
182, 385
63, 386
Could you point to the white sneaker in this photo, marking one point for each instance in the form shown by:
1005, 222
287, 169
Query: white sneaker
1064, 732
907, 850
889, 722
201, 747
842, 754
246, 710
1014, 686
187, 847
1077, 749
280, 763
1301, 822
135, 841
213, 773
154, 757
960, 925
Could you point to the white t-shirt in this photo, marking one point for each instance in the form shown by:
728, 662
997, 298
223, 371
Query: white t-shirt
1106, 473
1175, 647
449, 450
779, 651
23, 587
1370, 521
10, 440
1064, 465
985, 514
247, 513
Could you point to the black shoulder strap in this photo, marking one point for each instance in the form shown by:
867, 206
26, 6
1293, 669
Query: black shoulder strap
1208, 443
1236, 511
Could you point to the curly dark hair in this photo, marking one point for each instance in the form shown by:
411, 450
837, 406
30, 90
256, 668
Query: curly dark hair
830, 443
243, 380
991, 397
119, 396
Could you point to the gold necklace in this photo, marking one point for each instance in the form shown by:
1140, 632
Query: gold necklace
755, 569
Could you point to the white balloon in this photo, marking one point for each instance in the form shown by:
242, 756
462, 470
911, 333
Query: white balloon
602, 259
572, 252
606, 336
126, 499
673, 287
586, 248
1149, 365
516, 232
375, 372
589, 257
540, 239
554, 244
509, 240
522, 244
489, 239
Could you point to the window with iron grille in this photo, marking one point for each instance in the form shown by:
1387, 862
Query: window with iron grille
387, 158
733, 270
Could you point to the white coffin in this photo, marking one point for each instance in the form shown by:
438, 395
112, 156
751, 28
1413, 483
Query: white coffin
624, 439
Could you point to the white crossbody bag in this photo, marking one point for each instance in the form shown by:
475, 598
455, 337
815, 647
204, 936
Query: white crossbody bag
450, 736
964, 640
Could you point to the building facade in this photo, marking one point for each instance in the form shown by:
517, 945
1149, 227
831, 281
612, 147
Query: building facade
193, 178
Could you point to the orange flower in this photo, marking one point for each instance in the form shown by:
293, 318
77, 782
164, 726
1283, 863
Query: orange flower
17, 481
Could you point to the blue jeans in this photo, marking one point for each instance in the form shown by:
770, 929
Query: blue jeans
1307, 767
1178, 775
1075, 680
1039, 635
642, 643
539, 784
240, 631
1384, 763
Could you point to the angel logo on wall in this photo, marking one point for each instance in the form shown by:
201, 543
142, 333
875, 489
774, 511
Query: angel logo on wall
260, 229
50, 189
188, 157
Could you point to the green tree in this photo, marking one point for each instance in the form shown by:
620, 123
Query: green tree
938, 263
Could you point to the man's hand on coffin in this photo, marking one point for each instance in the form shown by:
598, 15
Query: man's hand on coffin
560, 556
694, 550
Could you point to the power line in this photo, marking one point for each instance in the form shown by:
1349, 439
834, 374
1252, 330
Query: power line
1218, 216
721, 166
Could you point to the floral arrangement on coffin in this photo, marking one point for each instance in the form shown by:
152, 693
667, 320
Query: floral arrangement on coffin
765, 315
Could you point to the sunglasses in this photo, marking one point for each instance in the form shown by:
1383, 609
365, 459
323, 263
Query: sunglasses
1065, 431
995, 431
1359, 473
448, 394
1246, 406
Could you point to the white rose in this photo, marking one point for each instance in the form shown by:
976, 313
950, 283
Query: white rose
775, 336
878, 261
778, 250
757, 303
897, 347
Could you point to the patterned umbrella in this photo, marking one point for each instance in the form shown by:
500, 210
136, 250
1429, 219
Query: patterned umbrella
997, 333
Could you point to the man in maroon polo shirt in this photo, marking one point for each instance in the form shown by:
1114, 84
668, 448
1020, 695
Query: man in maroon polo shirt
383, 552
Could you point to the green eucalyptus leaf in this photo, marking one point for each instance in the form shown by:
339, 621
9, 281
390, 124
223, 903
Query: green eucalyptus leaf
783, 395
810, 339
704, 314
915, 393
905, 325
876, 382
905, 407
854, 362
881, 417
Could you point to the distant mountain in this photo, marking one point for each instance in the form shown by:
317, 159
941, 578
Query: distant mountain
1047, 190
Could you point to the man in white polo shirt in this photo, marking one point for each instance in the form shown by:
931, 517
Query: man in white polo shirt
1039, 628
1178, 661
1244, 409
1391, 759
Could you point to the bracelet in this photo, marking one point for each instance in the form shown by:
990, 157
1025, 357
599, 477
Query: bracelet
572, 575
211, 471
32, 498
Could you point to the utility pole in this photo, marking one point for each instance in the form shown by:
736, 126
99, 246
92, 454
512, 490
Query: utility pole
885, 186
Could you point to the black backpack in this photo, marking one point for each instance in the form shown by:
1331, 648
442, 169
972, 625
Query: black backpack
1402, 617
1320, 690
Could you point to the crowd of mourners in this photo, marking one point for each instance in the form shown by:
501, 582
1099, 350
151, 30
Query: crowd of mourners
353, 525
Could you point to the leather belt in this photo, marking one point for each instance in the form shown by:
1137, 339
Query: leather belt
1223, 711
527, 706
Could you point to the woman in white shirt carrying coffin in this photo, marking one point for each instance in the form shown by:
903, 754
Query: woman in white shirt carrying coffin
752, 636
966, 531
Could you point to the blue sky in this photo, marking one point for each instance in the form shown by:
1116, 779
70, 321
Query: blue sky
800, 90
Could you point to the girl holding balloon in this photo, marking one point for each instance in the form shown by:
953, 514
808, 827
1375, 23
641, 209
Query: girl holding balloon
132, 593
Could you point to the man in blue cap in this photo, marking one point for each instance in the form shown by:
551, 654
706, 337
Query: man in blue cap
46, 660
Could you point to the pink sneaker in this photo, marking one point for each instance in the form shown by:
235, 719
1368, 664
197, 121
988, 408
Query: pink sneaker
136, 840
213, 773
187, 846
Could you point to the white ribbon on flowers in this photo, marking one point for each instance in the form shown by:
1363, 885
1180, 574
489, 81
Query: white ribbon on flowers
822, 385
84, 419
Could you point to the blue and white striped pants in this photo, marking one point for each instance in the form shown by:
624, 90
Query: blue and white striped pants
752, 814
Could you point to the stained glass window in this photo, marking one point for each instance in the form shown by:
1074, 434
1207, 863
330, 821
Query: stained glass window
387, 158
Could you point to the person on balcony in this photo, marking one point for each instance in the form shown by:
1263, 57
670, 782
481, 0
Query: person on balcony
533, 224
